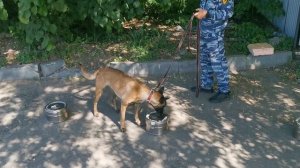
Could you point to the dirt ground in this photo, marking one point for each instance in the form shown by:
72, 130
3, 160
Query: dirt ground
253, 129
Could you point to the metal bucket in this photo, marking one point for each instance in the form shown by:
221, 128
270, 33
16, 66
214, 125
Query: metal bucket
156, 126
56, 112
297, 129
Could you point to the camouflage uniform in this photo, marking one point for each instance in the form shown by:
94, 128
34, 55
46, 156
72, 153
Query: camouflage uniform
212, 56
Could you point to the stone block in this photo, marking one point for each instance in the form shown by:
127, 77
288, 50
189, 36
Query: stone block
50, 68
258, 49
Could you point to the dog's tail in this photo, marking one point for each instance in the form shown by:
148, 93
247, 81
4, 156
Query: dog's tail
86, 74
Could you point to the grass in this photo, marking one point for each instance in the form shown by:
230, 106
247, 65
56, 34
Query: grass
146, 45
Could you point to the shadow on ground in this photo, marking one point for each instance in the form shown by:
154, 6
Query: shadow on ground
253, 129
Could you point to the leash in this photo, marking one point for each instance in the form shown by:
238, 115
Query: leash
162, 80
189, 28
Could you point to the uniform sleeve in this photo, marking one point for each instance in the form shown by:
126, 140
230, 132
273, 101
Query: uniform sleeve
222, 12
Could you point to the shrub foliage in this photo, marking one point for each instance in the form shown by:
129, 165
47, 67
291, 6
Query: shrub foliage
267, 8
41, 22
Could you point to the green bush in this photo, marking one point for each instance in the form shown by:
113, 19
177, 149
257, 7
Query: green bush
3, 61
285, 44
251, 33
245, 9
240, 35
3, 12
170, 11
40, 22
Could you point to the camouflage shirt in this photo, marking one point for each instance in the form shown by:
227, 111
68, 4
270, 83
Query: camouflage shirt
218, 13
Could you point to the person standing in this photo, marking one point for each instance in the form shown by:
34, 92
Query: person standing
214, 15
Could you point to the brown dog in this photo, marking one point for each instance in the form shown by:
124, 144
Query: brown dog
128, 89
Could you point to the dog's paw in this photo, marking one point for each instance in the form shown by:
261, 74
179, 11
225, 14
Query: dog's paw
96, 114
138, 122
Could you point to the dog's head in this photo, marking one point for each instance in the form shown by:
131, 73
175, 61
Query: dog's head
158, 100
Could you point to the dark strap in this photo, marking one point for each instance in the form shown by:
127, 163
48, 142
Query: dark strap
163, 78
189, 28
150, 95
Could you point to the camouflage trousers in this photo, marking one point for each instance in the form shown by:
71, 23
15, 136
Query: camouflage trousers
213, 61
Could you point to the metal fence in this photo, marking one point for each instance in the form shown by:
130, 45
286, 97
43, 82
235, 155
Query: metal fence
288, 23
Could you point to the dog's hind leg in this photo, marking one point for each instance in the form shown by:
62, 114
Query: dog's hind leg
122, 116
137, 114
98, 94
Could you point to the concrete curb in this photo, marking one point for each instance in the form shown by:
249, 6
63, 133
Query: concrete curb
57, 69
255, 62
235, 64
66, 73
50, 68
28, 71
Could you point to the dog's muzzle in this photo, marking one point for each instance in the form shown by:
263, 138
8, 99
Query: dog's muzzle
160, 107
162, 103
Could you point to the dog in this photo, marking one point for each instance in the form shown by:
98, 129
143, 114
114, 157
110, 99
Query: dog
128, 89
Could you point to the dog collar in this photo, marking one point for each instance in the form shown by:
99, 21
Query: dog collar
150, 95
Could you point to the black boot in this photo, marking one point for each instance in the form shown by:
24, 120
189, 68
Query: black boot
219, 97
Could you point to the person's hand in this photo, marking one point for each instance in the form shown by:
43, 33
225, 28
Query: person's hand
200, 13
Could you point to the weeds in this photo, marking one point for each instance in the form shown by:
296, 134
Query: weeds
3, 61
285, 44
147, 44
291, 71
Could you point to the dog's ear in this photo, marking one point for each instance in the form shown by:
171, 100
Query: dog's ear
161, 90
167, 97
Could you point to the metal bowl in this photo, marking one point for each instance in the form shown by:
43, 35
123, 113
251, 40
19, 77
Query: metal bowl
297, 129
56, 112
156, 125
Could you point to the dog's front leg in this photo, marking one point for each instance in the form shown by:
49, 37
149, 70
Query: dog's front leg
114, 103
122, 116
137, 115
